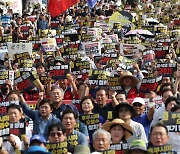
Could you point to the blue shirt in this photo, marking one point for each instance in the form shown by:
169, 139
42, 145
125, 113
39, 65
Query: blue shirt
143, 119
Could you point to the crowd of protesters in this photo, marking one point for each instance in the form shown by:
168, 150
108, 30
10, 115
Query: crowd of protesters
85, 117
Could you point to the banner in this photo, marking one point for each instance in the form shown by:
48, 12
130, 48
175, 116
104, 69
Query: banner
56, 7
98, 77
172, 121
58, 72
17, 48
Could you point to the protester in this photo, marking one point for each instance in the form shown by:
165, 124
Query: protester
69, 119
144, 119
119, 130
101, 140
126, 112
114, 51
42, 118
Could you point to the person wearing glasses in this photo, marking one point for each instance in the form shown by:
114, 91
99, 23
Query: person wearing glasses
158, 135
56, 133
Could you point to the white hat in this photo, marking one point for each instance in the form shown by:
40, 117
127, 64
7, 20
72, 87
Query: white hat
138, 100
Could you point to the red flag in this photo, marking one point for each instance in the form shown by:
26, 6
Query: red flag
57, 7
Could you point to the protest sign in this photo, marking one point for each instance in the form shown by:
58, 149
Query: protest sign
91, 120
59, 71
161, 149
129, 49
17, 48
148, 57
48, 44
80, 67
36, 43
59, 40
119, 148
113, 83
4, 105
4, 125
98, 77
25, 82
18, 128
172, 121
86, 38
6, 75
166, 69
150, 84
161, 51
114, 38
92, 48
55, 148
70, 50
72, 139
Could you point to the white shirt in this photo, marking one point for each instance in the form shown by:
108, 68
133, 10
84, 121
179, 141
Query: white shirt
158, 114
174, 140
138, 132
7, 145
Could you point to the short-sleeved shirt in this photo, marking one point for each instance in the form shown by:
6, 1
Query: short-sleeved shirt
105, 112
143, 119
138, 132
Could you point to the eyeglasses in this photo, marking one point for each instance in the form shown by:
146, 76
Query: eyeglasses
53, 134
137, 104
159, 133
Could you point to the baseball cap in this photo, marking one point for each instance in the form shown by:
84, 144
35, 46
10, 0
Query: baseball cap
37, 149
38, 138
137, 144
138, 100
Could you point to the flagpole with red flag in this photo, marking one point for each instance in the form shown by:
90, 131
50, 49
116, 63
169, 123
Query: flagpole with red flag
57, 7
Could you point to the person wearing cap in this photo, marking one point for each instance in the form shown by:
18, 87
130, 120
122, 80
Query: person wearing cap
142, 118
129, 83
119, 130
137, 147
126, 112
38, 140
